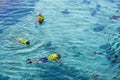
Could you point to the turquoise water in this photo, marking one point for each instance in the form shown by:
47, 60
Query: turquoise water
88, 27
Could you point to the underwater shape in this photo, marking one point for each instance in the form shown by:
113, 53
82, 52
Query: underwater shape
65, 11
118, 6
94, 10
98, 28
114, 17
50, 47
105, 46
86, 2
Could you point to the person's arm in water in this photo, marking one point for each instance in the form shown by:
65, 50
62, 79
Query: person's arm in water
57, 60
16, 38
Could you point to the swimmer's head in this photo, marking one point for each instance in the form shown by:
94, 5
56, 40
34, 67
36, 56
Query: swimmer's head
59, 56
29, 61
27, 42
40, 14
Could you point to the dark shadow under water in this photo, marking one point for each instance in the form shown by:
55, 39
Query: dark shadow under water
57, 72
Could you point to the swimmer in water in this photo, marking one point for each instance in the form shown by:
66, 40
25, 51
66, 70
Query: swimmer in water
22, 41
65, 11
51, 57
40, 18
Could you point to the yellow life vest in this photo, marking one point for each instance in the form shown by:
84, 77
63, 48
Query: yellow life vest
52, 57
23, 41
41, 19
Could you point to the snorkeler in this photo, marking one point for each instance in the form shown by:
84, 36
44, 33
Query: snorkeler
65, 11
97, 53
40, 18
51, 57
22, 41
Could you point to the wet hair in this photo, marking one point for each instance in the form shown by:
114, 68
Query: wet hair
40, 14
28, 43
59, 56
29, 61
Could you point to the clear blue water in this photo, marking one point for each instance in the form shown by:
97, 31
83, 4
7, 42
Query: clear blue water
86, 28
